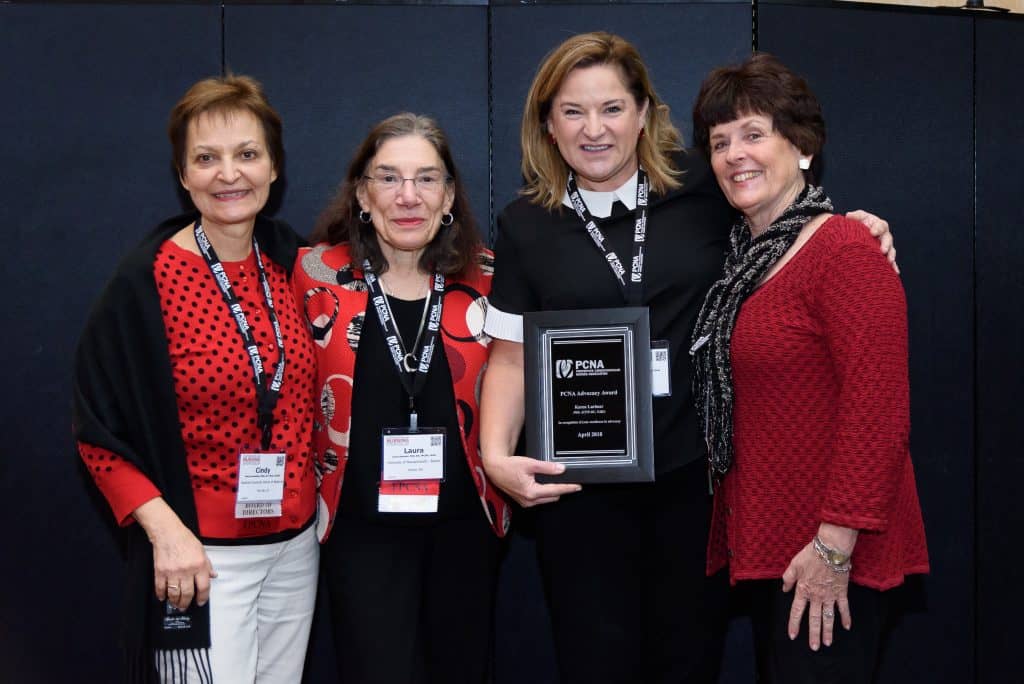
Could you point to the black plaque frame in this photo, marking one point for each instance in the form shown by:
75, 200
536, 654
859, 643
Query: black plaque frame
540, 330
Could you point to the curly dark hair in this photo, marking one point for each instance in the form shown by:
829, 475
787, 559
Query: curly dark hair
454, 247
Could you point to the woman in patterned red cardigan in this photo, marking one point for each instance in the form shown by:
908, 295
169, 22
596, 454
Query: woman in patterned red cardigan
395, 294
801, 358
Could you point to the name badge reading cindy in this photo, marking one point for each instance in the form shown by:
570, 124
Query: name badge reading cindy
260, 485
661, 376
412, 467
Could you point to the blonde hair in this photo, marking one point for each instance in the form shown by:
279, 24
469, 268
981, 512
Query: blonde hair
544, 169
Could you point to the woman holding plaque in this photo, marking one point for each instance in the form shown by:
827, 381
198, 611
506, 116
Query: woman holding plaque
193, 406
801, 377
395, 294
622, 564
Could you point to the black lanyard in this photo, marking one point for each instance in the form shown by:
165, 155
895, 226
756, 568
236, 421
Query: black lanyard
412, 366
267, 390
633, 291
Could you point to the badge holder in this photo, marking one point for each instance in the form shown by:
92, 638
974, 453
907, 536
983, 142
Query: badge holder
260, 485
661, 369
412, 467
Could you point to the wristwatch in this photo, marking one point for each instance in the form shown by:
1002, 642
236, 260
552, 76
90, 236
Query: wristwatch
834, 558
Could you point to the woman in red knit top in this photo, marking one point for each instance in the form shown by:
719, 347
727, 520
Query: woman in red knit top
193, 412
801, 360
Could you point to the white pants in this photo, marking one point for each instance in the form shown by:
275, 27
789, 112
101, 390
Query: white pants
261, 609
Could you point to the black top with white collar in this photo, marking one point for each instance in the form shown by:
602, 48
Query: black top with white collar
546, 261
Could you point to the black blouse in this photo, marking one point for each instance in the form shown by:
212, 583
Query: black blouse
379, 401
546, 261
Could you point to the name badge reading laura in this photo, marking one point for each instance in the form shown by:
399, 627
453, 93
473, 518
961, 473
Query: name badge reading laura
260, 485
412, 467
413, 455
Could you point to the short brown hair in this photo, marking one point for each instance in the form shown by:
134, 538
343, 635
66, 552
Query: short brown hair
224, 95
761, 85
453, 248
544, 170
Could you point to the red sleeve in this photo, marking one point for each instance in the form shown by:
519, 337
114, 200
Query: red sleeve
122, 484
863, 310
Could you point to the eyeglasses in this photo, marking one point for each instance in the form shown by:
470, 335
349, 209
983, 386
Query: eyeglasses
425, 183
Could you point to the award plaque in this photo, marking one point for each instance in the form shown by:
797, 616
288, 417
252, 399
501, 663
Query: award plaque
588, 393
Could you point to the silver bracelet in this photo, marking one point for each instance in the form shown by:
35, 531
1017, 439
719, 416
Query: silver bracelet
836, 560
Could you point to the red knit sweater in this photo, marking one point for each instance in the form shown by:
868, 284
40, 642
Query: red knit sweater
822, 417
217, 396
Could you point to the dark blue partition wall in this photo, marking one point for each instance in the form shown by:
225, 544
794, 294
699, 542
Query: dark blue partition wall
1000, 339
899, 121
334, 71
679, 43
86, 170
923, 109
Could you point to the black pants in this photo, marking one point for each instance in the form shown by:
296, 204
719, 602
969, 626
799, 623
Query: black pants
412, 605
852, 657
624, 572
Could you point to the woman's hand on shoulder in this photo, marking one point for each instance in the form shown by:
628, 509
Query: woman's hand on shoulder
517, 477
181, 569
879, 228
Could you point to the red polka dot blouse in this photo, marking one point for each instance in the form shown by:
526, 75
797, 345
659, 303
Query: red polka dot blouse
216, 394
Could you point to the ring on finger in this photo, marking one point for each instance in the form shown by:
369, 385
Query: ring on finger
175, 587
828, 614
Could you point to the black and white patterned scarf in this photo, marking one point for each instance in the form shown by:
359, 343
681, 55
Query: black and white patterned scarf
747, 262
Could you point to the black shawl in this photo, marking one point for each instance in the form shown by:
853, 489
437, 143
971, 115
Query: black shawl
124, 401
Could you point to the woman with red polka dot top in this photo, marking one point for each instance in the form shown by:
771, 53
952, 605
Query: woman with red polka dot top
395, 295
193, 410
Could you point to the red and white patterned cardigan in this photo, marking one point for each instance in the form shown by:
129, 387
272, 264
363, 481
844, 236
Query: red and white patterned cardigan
332, 295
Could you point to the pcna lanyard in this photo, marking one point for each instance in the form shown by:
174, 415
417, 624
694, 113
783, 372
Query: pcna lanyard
633, 291
268, 390
412, 366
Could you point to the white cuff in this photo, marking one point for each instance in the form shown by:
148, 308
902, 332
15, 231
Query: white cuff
503, 326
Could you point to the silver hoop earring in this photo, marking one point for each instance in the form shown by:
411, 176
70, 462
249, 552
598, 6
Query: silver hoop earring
448, 219
364, 217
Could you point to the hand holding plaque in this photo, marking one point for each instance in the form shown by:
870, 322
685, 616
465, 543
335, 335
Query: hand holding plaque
588, 393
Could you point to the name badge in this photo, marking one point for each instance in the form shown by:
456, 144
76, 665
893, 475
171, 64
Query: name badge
260, 485
412, 467
661, 377
412, 454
